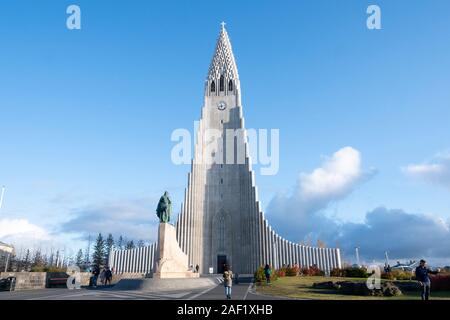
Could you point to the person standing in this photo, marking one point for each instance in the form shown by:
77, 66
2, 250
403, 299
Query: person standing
103, 277
197, 267
95, 274
227, 281
108, 275
267, 273
424, 279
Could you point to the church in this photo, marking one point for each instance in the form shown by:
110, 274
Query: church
221, 220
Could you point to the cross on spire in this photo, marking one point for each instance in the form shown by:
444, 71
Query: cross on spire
223, 25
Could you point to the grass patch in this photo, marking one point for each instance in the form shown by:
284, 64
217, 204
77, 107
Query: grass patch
302, 288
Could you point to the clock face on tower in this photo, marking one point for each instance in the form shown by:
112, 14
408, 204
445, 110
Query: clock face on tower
221, 105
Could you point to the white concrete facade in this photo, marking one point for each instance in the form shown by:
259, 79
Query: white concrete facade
221, 217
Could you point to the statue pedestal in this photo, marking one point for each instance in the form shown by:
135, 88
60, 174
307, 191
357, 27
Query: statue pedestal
170, 260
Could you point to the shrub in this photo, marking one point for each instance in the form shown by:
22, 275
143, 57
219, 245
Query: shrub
292, 271
281, 272
388, 289
326, 285
440, 282
336, 272
47, 269
355, 272
397, 275
312, 271
260, 276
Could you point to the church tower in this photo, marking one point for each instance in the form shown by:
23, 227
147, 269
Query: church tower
219, 218
221, 221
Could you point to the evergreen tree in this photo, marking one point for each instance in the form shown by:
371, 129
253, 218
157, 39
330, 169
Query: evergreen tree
109, 246
130, 245
99, 251
79, 259
87, 257
38, 260
120, 243
141, 244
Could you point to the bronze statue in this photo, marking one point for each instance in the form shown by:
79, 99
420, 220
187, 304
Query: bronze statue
164, 209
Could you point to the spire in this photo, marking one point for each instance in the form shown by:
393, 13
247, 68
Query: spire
223, 62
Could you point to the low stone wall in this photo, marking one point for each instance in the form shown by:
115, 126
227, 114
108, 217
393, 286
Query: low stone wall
27, 280
39, 280
85, 276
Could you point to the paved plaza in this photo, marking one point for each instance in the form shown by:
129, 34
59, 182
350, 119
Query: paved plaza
242, 291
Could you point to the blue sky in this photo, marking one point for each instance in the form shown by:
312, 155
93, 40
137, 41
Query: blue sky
86, 115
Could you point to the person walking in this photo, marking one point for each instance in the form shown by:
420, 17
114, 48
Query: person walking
267, 273
197, 267
103, 277
424, 279
95, 274
227, 281
108, 275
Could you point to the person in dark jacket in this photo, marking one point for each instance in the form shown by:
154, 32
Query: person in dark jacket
108, 276
267, 273
424, 279
95, 274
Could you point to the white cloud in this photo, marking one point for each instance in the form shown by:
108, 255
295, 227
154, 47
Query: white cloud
300, 215
403, 234
436, 171
22, 232
336, 178
134, 219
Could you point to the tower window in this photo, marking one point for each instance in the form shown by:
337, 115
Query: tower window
213, 86
222, 84
230, 85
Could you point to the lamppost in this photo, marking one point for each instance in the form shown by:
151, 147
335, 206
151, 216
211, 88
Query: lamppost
2, 193
357, 257
7, 261
6, 248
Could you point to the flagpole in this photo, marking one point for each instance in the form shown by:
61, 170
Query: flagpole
1, 196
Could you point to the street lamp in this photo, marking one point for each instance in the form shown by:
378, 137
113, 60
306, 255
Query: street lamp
357, 257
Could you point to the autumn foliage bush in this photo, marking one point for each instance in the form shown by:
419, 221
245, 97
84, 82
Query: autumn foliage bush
281, 272
337, 272
312, 271
440, 282
260, 276
292, 271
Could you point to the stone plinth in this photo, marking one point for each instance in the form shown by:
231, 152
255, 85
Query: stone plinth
170, 260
